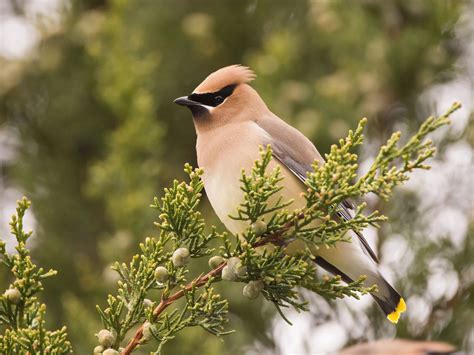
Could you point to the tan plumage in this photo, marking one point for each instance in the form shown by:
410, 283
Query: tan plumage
234, 74
232, 122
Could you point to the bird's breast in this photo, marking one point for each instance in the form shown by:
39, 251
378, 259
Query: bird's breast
223, 156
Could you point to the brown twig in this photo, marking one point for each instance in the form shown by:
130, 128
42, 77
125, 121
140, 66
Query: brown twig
197, 282
274, 238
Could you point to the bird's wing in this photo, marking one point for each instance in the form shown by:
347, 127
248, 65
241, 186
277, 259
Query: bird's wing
297, 153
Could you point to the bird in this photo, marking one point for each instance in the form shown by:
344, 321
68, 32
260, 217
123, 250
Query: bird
232, 123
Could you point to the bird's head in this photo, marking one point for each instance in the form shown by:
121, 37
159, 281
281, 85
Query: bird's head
223, 97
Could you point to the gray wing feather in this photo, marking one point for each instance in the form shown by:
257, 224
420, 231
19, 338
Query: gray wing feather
297, 153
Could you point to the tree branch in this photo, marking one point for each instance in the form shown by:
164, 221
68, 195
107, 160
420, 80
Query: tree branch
199, 281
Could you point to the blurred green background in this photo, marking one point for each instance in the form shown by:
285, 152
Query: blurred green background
89, 132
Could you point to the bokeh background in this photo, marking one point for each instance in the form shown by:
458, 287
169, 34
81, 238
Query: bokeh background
89, 132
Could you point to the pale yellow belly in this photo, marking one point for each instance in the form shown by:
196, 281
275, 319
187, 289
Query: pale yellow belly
223, 189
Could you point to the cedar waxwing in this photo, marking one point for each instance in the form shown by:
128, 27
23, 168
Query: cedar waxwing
232, 122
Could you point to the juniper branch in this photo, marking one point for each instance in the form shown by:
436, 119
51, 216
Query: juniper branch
258, 257
164, 303
21, 314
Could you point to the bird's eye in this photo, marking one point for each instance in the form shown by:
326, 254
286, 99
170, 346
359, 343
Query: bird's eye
218, 99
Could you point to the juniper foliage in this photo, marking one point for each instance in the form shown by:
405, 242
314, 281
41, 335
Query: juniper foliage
259, 256
22, 315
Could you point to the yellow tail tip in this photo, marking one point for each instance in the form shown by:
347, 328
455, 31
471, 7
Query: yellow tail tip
402, 307
395, 315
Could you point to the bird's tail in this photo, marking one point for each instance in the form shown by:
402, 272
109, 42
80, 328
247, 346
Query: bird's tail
389, 300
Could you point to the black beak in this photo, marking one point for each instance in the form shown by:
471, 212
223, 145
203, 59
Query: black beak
184, 101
